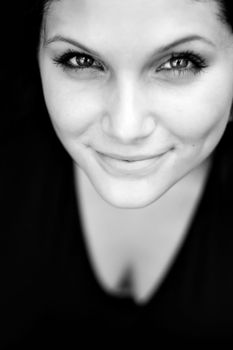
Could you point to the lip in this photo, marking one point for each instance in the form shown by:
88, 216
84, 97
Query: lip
129, 158
136, 165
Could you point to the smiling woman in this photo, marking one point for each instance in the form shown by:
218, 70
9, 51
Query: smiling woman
122, 207
135, 99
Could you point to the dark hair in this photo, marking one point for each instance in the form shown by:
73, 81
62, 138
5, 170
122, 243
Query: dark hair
226, 12
27, 24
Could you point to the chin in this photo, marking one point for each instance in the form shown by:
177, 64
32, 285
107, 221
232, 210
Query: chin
129, 190
128, 203
131, 196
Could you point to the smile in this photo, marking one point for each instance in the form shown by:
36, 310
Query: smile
140, 166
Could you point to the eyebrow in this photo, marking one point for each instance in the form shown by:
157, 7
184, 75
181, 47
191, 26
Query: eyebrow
187, 39
73, 42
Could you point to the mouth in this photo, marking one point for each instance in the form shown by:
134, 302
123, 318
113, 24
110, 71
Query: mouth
130, 165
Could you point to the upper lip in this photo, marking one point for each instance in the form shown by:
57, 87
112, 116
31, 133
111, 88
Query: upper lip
133, 158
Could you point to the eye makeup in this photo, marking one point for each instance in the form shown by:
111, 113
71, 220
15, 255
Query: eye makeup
184, 62
75, 60
179, 63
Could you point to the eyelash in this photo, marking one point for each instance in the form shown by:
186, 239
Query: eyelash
198, 63
64, 61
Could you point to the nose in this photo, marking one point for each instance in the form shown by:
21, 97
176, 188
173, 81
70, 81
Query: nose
126, 116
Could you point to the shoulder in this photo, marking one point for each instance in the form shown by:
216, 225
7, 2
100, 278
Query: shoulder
33, 167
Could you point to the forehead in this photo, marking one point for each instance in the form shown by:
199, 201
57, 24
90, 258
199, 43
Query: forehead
127, 20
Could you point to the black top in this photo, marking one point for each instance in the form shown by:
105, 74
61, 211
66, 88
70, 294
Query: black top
49, 293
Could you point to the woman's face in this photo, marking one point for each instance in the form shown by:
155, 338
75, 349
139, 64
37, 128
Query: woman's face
139, 91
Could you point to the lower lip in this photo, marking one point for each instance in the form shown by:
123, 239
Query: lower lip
122, 168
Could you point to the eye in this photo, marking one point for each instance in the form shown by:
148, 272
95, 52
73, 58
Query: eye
82, 61
183, 62
73, 60
178, 63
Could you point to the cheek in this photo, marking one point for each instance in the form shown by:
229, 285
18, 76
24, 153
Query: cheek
193, 116
196, 121
72, 109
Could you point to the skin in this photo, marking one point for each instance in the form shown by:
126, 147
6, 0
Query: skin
135, 106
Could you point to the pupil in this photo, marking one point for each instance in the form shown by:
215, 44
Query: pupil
85, 61
180, 63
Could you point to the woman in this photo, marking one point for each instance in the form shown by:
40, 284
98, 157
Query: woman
122, 220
